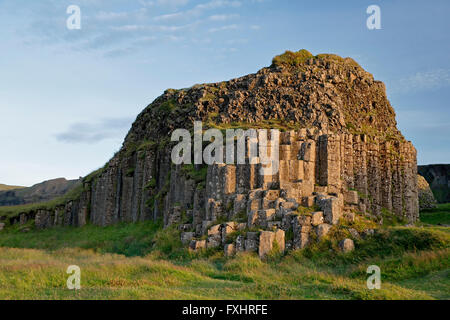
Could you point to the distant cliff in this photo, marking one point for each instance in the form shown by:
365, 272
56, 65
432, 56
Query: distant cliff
438, 176
40, 192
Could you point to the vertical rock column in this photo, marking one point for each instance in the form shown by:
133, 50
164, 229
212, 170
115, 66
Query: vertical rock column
386, 175
360, 168
147, 176
373, 177
347, 168
330, 162
104, 196
410, 193
308, 155
397, 181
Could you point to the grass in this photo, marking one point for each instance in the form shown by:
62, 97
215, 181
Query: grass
440, 215
126, 239
168, 106
290, 58
13, 211
141, 261
4, 187
296, 59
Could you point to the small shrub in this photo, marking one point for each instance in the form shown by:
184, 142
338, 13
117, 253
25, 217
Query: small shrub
293, 59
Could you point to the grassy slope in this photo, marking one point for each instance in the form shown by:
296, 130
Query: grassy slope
4, 187
440, 215
140, 262
13, 211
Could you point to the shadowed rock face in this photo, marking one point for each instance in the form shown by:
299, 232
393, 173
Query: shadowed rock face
40, 192
340, 154
438, 176
426, 197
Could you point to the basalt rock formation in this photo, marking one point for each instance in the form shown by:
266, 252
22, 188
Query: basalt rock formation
426, 197
341, 156
438, 176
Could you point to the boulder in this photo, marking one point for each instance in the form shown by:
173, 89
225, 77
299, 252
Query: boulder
251, 245
351, 197
214, 242
240, 243
347, 245
331, 208
322, 230
301, 240
197, 245
308, 201
317, 218
186, 237
354, 233
227, 229
215, 230
267, 241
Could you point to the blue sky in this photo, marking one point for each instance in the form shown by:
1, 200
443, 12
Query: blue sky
68, 97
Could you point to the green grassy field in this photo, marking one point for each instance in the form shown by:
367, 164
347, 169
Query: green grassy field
4, 187
139, 261
440, 215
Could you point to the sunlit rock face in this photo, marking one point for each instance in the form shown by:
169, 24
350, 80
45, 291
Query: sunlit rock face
341, 157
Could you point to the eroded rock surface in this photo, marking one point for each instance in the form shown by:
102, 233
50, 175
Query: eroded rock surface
426, 197
340, 155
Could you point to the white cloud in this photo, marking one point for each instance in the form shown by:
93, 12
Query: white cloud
223, 17
224, 28
428, 80
164, 3
218, 4
107, 16
84, 132
113, 30
199, 10
171, 16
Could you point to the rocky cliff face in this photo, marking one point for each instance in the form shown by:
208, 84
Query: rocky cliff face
438, 176
341, 155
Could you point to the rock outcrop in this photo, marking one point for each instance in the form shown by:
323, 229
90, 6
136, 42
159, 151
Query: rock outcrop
438, 177
340, 155
426, 197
